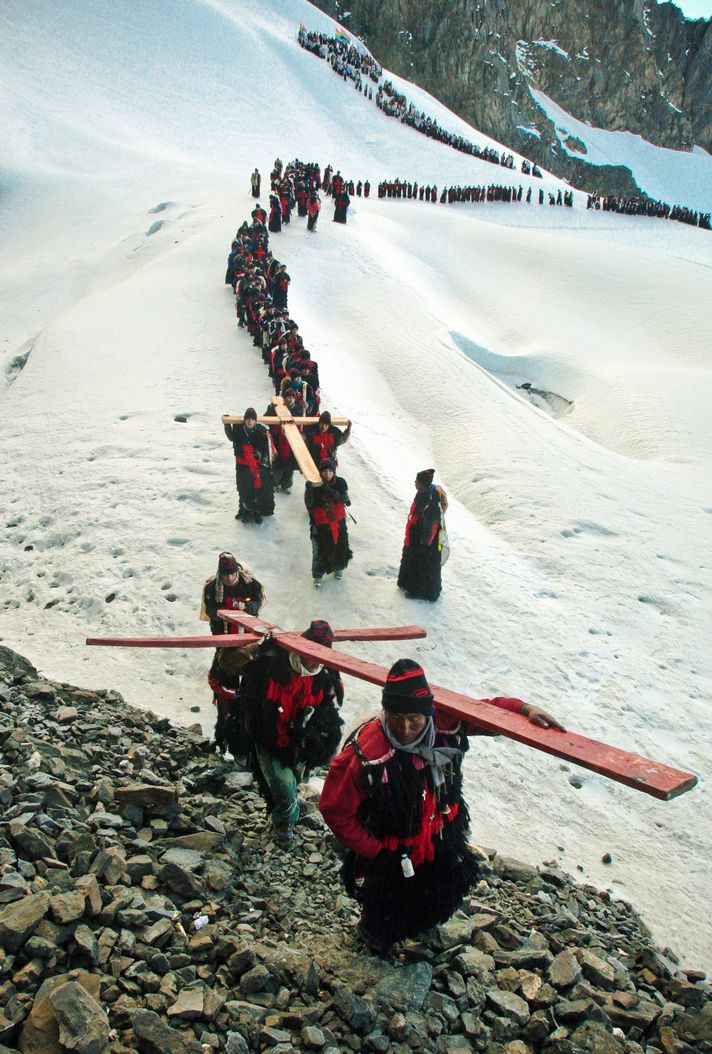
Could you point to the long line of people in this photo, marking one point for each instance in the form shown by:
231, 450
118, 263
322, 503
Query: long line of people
398, 188
640, 206
407, 861
263, 456
344, 58
348, 62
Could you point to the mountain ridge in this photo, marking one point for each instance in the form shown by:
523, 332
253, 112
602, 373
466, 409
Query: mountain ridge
620, 65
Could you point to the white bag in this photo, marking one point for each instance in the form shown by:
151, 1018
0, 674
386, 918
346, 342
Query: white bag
443, 542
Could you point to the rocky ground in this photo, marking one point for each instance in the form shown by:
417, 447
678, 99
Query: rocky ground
121, 833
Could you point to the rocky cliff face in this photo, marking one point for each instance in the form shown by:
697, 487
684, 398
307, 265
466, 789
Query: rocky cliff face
617, 64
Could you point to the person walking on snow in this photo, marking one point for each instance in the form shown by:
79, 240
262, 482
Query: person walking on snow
253, 474
341, 206
323, 438
233, 588
326, 505
313, 210
421, 561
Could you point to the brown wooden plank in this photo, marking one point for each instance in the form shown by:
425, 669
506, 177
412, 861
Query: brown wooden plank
640, 773
231, 419
225, 640
295, 439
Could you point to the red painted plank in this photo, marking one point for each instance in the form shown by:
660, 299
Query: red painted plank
381, 633
635, 771
248, 622
226, 640
241, 618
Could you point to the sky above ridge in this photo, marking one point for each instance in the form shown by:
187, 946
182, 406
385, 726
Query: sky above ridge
695, 8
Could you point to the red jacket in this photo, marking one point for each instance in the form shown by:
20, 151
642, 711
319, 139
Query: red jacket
345, 790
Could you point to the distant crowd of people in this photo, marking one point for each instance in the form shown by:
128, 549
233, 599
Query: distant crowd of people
349, 62
345, 59
649, 207
394, 104
397, 188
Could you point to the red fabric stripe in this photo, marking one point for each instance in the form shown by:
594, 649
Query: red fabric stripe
406, 676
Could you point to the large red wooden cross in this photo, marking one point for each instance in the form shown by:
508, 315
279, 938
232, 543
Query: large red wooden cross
641, 773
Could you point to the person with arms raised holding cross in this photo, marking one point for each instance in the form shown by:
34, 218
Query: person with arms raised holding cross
253, 472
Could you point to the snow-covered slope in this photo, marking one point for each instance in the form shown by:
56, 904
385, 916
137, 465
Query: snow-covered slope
676, 176
580, 517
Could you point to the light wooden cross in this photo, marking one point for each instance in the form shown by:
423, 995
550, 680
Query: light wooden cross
640, 773
295, 439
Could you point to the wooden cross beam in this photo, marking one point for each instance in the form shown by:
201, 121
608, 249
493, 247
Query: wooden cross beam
257, 628
294, 437
223, 640
640, 773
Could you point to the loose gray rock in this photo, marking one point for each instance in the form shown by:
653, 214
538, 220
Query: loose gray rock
83, 1024
509, 1005
565, 970
154, 1036
404, 989
20, 919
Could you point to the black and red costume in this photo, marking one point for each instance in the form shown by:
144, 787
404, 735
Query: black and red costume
382, 804
323, 444
253, 474
420, 567
313, 209
292, 718
327, 526
224, 680
341, 206
246, 594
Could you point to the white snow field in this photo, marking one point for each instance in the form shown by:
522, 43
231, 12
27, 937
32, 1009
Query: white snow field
580, 512
677, 176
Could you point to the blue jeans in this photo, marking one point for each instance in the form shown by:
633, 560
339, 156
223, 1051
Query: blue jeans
283, 782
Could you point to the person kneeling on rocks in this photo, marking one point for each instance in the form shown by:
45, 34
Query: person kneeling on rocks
393, 797
292, 716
